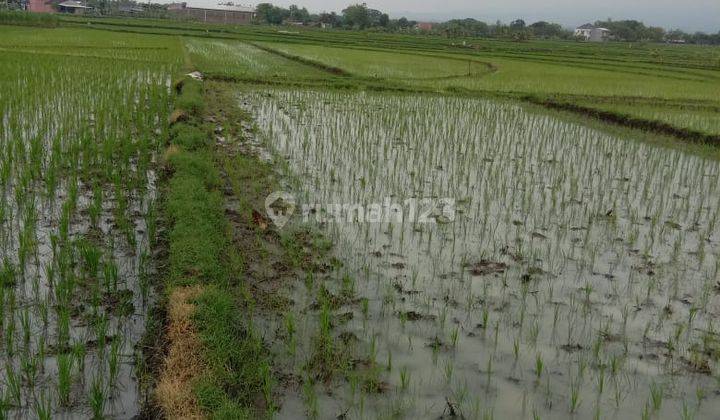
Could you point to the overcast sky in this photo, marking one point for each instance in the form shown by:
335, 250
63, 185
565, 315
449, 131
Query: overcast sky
684, 14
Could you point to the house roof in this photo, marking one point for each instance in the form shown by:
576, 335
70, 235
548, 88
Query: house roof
225, 7
130, 9
587, 26
73, 4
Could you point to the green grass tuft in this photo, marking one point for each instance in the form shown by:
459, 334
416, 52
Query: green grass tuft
238, 367
189, 137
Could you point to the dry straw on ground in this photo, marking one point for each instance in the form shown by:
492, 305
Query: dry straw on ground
183, 363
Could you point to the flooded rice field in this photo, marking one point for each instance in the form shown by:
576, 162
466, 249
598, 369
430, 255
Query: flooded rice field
77, 194
541, 269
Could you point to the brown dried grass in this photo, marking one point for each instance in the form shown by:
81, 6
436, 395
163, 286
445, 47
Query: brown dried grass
171, 151
177, 116
183, 363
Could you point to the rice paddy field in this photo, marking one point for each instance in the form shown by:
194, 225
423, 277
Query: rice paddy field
537, 261
78, 192
243, 60
577, 279
512, 75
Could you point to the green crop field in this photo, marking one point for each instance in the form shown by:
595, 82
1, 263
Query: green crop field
242, 222
242, 60
517, 74
392, 65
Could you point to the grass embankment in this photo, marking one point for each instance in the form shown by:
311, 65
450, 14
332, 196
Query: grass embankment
276, 262
214, 367
308, 62
630, 121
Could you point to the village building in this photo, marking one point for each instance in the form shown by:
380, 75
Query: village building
590, 32
40, 6
72, 7
49, 6
424, 26
130, 9
228, 14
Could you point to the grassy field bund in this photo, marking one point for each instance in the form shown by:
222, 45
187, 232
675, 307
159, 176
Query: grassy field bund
141, 276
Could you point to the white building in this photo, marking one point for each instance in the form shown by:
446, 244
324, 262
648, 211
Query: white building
592, 33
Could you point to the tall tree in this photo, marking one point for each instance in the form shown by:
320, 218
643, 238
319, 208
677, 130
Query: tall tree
268, 13
331, 19
357, 16
297, 14
464, 28
544, 29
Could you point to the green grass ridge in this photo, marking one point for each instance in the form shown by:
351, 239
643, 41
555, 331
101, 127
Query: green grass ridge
200, 252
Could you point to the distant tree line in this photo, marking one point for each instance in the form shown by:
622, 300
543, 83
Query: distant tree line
517, 29
360, 16
635, 31
632, 30
11, 5
355, 16
624, 30
696, 38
